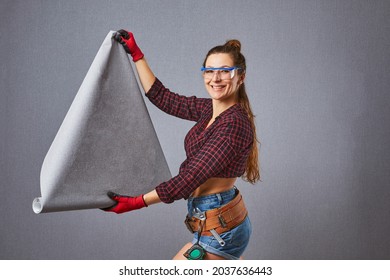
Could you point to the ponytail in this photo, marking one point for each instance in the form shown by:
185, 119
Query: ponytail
252, 172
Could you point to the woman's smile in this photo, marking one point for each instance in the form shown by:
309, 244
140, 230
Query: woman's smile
218, 88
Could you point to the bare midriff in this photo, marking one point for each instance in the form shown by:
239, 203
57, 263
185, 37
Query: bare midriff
214, 185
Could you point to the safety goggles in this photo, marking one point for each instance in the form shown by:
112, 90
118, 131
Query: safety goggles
224, 73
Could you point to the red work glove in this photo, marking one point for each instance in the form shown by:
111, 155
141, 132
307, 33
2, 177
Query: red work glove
125, 203
127, 40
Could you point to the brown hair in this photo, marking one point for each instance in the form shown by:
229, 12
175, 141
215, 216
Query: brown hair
233, 48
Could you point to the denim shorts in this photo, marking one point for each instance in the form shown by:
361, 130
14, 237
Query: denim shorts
236, 240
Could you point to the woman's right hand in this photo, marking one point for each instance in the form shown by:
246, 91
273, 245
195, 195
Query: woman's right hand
127, 40
125, 203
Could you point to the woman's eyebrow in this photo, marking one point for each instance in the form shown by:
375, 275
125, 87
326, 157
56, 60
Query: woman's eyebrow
223, 66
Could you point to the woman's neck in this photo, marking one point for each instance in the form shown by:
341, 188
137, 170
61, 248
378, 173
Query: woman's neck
219, 107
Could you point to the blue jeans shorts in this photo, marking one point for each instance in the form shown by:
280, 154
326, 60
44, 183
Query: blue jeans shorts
236, 240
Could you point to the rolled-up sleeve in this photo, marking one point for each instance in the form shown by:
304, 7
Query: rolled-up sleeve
188, 108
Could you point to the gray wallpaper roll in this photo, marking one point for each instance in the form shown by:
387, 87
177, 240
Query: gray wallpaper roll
106, 141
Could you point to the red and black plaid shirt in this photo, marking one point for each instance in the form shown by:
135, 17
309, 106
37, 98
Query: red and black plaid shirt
220, 150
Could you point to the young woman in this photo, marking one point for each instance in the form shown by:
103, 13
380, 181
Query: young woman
221, 147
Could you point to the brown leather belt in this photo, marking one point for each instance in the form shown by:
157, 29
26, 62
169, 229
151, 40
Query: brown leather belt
220, 219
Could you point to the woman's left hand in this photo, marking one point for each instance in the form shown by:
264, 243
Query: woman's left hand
126, 38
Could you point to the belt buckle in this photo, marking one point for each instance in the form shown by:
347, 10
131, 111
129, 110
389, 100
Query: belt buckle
196, 214
188, 221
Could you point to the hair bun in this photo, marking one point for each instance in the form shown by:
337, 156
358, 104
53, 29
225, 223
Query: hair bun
234, 44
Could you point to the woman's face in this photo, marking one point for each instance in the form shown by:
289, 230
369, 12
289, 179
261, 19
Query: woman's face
218, 87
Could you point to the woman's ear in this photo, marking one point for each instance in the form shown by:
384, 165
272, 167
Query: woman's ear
241, 80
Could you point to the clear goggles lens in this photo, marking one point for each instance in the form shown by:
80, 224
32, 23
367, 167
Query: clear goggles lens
224, 73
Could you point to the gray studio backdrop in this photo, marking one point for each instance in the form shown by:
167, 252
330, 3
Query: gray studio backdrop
319, 81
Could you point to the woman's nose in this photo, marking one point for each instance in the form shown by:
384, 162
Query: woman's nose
216, 76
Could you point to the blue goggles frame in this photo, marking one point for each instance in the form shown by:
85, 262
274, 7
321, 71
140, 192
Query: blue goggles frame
219, 68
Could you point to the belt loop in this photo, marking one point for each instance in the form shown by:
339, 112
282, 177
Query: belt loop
219, 197
190, 205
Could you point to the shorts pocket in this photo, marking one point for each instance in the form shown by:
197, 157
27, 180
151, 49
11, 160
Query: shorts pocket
240, 235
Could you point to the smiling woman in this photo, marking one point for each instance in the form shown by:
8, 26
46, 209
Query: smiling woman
220, 147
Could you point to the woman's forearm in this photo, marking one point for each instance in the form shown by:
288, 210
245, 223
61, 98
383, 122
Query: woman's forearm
145, 74
151, 198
